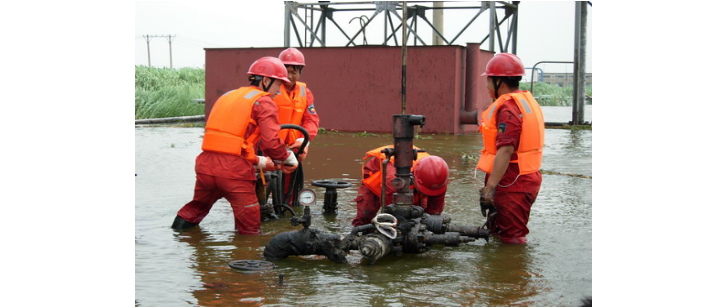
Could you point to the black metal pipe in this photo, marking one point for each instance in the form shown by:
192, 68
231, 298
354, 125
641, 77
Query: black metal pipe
469, 231
441, 224
330, 204
448, 239
403, 133
305, 242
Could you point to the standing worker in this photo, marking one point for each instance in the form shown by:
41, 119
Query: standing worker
513, 134
226, 167
295, 106
430, 184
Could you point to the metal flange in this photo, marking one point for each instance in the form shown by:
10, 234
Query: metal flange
251, 265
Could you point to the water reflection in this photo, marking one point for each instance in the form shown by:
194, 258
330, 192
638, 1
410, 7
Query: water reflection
577, 142
507, 275
191, 268
220, 285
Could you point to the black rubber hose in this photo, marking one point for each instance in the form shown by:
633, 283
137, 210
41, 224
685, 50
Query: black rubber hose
297, 176
300, 129
362, 228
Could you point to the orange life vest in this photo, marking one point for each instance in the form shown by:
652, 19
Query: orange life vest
290, 110
530, 147
374, 181
228, 121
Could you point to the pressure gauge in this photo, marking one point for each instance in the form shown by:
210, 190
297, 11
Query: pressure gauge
307, 197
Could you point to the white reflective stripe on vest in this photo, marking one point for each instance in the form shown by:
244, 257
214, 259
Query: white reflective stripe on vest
525, 105
252, 94
490, 114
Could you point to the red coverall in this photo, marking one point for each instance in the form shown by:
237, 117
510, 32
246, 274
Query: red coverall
514, 194
309, 122
233, 177
368, 204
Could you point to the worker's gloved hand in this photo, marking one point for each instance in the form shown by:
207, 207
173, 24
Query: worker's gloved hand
297, 145
290, 164
486, 200
266, 164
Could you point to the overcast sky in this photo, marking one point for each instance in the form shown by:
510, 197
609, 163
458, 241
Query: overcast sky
545, 30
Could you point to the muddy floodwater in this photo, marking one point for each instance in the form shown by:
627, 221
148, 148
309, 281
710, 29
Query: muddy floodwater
191, 268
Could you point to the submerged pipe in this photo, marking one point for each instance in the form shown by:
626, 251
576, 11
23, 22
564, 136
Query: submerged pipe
441, 224
447, 239
469, 231
413, 236
305, 242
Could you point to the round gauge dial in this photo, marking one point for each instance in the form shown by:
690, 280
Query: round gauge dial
307, 197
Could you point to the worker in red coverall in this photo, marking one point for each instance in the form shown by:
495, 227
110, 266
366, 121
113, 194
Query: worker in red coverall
430, 177
513, 137
295, 106
239, 120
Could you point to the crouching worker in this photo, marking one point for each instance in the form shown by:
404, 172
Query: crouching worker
430, 184
240, 121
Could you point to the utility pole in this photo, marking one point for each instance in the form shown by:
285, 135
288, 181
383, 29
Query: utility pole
169, 39
149, 56
577, 113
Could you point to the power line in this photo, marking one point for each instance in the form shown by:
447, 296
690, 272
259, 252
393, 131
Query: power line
194, 40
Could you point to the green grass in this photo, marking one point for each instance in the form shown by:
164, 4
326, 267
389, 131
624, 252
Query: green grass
550, 95
164, 92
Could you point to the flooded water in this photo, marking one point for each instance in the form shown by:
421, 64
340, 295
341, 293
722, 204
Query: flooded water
191, 268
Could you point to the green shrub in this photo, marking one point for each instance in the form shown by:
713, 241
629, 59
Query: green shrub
164, 92
551, 95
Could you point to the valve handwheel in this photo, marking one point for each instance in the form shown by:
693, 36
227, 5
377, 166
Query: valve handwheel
331, 184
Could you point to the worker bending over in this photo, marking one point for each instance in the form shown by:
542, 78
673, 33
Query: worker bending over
430, 184
240, 121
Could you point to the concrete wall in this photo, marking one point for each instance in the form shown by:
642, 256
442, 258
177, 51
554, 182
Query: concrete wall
359, 88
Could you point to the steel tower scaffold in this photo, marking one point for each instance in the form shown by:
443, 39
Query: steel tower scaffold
316, 16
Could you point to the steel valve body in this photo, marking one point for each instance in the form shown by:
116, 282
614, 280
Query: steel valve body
413, 235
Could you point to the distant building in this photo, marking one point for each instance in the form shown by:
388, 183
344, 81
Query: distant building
563, 79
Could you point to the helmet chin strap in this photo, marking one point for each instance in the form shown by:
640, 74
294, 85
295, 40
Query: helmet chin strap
265, 88
496, 84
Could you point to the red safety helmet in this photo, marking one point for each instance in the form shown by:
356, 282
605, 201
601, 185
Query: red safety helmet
504, 64
431, 176
292, 56
269, 67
